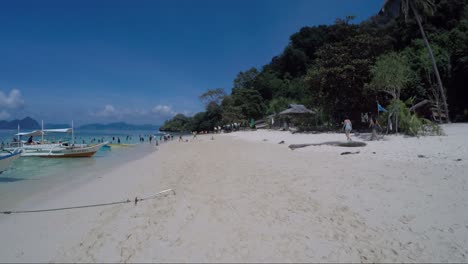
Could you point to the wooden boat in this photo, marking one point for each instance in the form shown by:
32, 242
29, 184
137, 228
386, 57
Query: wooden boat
6, 159
66, 150
54, 150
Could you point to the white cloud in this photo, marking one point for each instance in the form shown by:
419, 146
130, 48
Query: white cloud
4, 115
187, 113
108, 111
163, 110
13, 100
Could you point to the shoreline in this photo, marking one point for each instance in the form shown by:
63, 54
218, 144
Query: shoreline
241, 199
26, 195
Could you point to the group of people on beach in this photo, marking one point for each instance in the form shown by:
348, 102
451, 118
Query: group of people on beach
373, 125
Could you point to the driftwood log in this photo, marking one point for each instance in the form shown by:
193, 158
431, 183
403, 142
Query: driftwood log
349, 152
350, 144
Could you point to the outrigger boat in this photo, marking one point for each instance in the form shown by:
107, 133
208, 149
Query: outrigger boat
6, 159
64, 150
45, 149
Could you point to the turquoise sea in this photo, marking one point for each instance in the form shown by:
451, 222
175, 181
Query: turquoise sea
29, 175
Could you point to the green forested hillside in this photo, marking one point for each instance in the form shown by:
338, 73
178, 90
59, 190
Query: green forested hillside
343, 68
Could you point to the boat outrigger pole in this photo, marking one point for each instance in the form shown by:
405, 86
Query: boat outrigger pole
42, 132
73, 134
19, 136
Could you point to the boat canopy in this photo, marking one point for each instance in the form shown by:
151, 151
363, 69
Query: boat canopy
59, 130
37, 133
32, 133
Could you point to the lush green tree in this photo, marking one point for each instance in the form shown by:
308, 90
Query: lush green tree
231, 113
309, 39
269, 84
336, 81
278, 104
391, 73
214, 114
242, 105
245, 79
213, 96
419, 8
250, 103
293, 62
199, 122
178, 123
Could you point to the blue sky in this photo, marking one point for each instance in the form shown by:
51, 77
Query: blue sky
141, 61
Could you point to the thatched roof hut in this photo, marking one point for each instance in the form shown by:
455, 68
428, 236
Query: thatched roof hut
296, 109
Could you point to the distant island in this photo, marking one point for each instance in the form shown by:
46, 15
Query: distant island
30, 123
25, 123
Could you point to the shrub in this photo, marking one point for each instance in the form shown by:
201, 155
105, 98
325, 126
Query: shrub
408, 122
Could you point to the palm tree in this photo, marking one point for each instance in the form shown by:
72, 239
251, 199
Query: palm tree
425, 7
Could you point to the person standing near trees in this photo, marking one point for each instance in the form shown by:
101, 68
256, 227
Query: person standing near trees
347, 126
373, 124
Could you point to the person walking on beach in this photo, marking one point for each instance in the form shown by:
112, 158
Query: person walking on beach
373, 124
347, 126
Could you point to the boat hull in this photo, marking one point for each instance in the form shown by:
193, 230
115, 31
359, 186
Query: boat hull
72, 155
66, 152
6, 161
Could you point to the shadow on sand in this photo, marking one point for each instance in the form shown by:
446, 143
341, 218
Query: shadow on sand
8, 179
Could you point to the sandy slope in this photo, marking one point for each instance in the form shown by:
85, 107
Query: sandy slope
240, 198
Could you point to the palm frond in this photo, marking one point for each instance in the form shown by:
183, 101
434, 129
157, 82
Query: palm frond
426, 6
421, 6
387, 4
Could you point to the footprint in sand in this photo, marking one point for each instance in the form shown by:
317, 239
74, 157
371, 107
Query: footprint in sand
405, 219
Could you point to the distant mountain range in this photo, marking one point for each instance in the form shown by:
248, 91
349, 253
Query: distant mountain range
29, 124
25, 123
119, 126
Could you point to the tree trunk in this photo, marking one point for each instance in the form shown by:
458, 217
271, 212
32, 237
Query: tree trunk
414, 107
434, 64
396, 123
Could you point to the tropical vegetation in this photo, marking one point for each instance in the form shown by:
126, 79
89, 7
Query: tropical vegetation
345, 68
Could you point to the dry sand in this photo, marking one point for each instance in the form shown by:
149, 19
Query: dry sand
244, 198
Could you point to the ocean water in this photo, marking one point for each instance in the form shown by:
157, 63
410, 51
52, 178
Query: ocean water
30, 175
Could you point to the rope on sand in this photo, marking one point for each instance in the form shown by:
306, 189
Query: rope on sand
157, 195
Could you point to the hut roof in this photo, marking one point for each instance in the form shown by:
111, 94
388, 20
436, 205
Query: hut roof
296, 109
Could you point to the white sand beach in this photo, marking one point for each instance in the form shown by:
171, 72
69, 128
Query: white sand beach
243, 197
